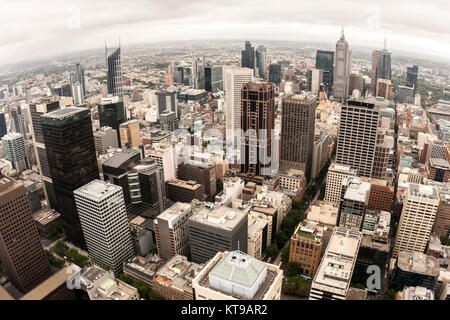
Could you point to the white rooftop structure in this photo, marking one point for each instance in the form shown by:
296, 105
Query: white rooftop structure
357, 190
97, 190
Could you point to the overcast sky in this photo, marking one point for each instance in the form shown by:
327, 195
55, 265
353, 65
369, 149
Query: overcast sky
32, 30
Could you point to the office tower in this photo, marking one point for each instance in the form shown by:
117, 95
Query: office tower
248, 56
415, 293
198, 73
381, 195
442, 224
322, 142
21, 251
315, 79
413, 269
130, 134
77, 94
420, 206
166, 101
354, 199
411, 77
337, 173
381, 66
213, 79
261, 62
237, 276
438, 170
142, 182
104, 138
332, 279
203, 173
384, 89
172, 231
356, 82
168, 121
70, 149
297, 133
163, 154
35, 111
18, 120
78, 77
275, 73
383, 148
178, 75
259, 235
3, 129
216, 229
14, 150
342, 68
185, 191
33, 196
404, 94
325, 62
114, 73
104, 222
112, 113
306, 246
373, 79
357, 136
233, 80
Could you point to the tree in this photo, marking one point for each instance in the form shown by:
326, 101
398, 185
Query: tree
294, 269
445, 241
296, 286
272, 250
358, 286
219, 186
58, 263
280, 239
285, 254
390, 295
296, 205
322, 191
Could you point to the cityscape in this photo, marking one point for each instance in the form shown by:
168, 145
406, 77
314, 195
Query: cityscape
225, 168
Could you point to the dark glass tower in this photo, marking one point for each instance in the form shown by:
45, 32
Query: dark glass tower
78, 77
411, 77
3, 129
114, 73
325, 61
248, 56
69, 144
112, 114
275, 73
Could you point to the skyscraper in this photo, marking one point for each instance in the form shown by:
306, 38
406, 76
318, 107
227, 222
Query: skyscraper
233, 80
112, 113
342, 68
411, 77
70, 149
21, 251
248, 56
103, 217
357, 136
78, 77
325, 62
257, 121
14, 150
19, 120
114, 73
297, 133
275, 73
337, 173
420, 206
354, 199
130, 133
213, 79
261, 62
3, 129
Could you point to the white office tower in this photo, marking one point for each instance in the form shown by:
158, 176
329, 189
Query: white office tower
332, 279
234, 77
342, 68
77, 94
335, 176
420, 206
101, 208
14, 150
357, 138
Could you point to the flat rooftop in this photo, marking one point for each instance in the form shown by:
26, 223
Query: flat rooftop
46, 216
357, 189
417, 262
323, 213
424, 191
64, 113
97, 190
174, 212
219, 217
189, 184
342, 168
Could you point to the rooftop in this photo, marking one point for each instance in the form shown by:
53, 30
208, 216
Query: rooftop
175, 212
357, 190
417, 262
218, 216
423, 191
97, 190
190, 184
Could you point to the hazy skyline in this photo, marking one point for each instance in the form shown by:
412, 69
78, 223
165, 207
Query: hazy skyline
36, 30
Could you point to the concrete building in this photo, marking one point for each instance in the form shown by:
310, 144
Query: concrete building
104, 138
415, 293
143, 268
381, 194
258, 235
336, 174
102, 285
342, 68
130, 134
420, 206
101, 208
173, 281
214, 229
332, 279
306, 246
163, 154
237, 276
14, 150
172, 231
352, 208
322, 142
185, 191
33, 196
357, 136
201, 172
384, 89
233, 187
438, 170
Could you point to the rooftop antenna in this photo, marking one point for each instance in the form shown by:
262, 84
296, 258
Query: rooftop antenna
342, 32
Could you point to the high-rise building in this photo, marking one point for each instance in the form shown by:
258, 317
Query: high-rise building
21, 251
404, 94
114, 73
261, 62
70, 149
237, 276
248, 56
315, 79
172, 231
257, 118
112, 113
19, 121
185, 191
411, 77
203, 173
213, 79
163, 154
3, 128
337, 173
297, 133
420, 206
77, 94
234, 78
357, 136
33, 196
342, 68
104, 138
130, 134
325, 62
14, 150
333, 277
275, 73
354, 199
78, 77
166, 101
384, 89
381, 66
104, 222
356, 82
35, 111
216, 229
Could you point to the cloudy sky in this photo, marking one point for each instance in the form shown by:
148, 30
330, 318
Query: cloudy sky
32, 30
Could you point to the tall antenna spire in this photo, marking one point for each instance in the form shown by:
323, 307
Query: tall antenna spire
342, 33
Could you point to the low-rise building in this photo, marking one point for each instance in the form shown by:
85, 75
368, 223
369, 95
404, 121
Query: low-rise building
143, 268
